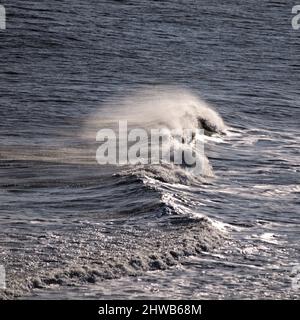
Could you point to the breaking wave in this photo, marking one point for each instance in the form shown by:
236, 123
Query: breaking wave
162, 107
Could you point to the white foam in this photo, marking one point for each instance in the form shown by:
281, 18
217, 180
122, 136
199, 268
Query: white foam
155, 107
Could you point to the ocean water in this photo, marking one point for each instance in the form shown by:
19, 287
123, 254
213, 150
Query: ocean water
71, 228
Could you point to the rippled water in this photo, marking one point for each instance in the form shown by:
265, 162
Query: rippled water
73, 229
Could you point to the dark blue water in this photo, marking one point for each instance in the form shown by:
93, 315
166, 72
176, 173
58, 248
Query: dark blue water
72, 228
